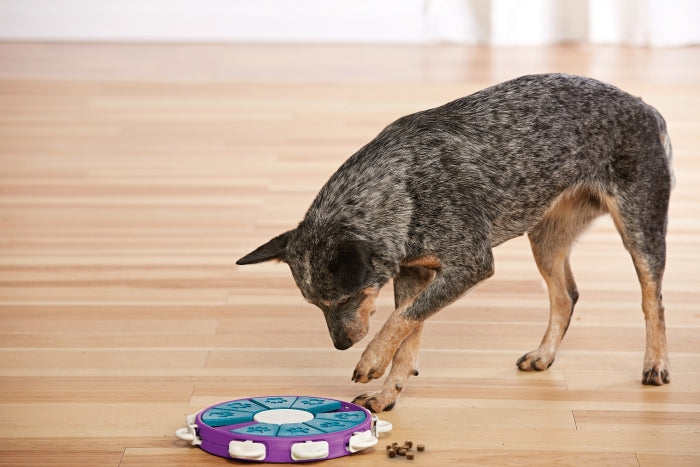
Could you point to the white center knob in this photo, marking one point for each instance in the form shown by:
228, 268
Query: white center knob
283, 416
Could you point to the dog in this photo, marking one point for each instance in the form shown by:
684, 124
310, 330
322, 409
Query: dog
425, 202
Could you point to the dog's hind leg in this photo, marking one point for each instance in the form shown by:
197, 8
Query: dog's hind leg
551, 240
407, 285
641, 220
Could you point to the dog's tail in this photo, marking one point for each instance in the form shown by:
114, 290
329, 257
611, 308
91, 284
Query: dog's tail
666, 142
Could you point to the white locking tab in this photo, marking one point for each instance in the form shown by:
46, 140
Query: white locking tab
189, 433
310, 450
247, 450
380, 426
362, 440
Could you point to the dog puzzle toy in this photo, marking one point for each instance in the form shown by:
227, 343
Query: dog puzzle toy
283, 429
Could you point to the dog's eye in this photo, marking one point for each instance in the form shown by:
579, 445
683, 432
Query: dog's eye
342, 301
317, 302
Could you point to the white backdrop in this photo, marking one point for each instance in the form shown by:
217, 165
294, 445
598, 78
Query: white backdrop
493, 22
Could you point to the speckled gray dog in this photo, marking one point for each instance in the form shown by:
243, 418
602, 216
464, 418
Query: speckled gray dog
426, 201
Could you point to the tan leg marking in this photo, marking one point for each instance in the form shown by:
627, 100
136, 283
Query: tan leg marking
428, 262
404, 365
398, 340
551, 242
561, 306
383, 347
656, 370
657, 367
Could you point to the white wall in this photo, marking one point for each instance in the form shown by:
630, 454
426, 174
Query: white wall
496, 22
213, 20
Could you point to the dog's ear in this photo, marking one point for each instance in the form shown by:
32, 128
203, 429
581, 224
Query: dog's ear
352, 265
272, 250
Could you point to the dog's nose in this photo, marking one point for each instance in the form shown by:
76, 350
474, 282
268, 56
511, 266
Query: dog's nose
342, 343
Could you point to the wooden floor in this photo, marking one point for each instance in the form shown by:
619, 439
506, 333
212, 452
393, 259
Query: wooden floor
133, 176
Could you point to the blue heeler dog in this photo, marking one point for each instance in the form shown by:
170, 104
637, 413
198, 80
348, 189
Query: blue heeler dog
425, 201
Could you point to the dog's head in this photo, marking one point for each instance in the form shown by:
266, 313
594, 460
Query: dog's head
335, 274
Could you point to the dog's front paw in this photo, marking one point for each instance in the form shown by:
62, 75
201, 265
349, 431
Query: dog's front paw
367, 370
376, 402
656, 373
537, 360
372, 364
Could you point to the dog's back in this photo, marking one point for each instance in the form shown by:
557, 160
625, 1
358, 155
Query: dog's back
499, 157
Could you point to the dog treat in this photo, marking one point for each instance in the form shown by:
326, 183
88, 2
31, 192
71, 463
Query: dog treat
404, 450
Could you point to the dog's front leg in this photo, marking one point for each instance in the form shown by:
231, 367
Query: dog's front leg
399, 338
403, 365
411, 281
385, 346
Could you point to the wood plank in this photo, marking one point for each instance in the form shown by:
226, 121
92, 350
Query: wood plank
132, 176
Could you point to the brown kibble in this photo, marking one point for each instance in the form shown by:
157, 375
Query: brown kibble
394, 449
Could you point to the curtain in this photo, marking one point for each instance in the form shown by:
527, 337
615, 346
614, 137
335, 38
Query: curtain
655, 23
491, 22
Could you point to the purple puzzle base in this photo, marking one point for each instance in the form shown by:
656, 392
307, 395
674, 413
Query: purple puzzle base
283, 428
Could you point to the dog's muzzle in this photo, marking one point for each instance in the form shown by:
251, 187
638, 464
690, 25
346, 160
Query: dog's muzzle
349, 323
342, 342
343, 333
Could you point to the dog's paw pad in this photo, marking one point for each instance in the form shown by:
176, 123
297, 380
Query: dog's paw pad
534, 362
375, 403
360, 377
366, 401
656, 376
365, 376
